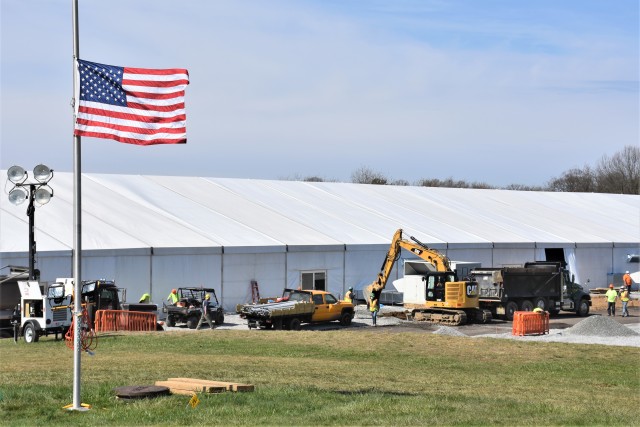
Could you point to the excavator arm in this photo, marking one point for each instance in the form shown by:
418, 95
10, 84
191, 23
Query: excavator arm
438, 260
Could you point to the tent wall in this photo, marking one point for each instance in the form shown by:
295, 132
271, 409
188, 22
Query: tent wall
268, 269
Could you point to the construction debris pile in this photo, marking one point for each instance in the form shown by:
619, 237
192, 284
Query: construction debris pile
600, 326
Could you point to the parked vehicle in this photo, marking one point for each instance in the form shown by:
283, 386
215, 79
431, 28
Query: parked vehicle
296, 307
538, 284
188, 309
39, 315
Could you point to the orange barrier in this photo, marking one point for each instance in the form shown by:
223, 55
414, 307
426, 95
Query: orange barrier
530, 323
120, 320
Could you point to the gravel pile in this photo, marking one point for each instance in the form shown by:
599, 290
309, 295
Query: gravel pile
448, 330
600, 326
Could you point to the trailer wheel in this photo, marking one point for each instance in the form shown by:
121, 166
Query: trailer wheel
540, 302
30, 333
294, 324
510, 309
170, 322
583, 308
345, 319
526, 305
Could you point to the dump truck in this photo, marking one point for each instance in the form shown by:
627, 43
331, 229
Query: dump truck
296, 307
547, 285
439, 297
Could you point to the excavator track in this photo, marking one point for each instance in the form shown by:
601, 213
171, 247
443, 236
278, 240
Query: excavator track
440, 316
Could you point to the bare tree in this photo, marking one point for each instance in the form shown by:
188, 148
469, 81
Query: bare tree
620, 173
365, 175
574, 181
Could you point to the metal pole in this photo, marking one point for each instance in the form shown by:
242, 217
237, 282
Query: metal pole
32, 242
77, 226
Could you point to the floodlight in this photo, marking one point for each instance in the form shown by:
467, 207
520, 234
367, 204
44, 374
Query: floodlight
42, 173
18, 195
43, 194
16, 174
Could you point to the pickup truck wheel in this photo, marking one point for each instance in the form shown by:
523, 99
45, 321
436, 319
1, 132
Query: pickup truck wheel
583, 307
510, 309
345, 319
278, 325
170, 322
30, 333
526, 305
294, 324
192, 322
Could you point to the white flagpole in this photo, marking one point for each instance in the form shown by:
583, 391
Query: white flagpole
77, 224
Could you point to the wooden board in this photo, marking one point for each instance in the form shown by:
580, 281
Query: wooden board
227, 385
191, 386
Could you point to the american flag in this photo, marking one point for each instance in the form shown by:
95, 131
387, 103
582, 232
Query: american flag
132, 105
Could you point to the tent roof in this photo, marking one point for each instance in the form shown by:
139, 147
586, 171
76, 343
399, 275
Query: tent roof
133, 211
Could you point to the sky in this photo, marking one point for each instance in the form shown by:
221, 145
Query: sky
494, 91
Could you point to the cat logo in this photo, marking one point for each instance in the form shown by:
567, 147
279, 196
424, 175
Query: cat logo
472, 289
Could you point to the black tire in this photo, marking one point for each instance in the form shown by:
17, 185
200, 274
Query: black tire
219, 319
541, 302
294, 324
192, 322
526, 305
345, 319
277, 325
582, 309
510, 309
30, 333
170, 322
553, 311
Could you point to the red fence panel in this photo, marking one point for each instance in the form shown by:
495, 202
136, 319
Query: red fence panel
119, 320
530, 323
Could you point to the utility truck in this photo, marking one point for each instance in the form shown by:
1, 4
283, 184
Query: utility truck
546, 285
295, 307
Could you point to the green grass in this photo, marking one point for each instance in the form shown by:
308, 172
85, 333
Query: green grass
349, 377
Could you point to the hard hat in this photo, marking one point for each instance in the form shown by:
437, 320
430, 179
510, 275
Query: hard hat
611, 285
173, 291
626, 272
350, 288
207, 296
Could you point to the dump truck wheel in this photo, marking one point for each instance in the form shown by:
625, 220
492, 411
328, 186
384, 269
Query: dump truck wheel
294, 324
510, 308
345, 319
30, 333
526, 305
540, 302
583, 308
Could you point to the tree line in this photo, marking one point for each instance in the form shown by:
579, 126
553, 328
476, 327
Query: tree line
618, 174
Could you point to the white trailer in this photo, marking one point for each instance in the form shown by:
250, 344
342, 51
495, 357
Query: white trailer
43, 315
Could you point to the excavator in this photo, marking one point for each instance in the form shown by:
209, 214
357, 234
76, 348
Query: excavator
441, 298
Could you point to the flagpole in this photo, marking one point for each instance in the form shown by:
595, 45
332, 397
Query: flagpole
77, 226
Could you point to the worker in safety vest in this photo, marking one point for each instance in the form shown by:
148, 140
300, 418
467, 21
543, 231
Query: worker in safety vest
349, 296
145, 298
374, 307
611, 300
206, 313
173, 297
624, 297
627, 280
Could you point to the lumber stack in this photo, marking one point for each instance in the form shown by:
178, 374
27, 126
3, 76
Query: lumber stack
190, 386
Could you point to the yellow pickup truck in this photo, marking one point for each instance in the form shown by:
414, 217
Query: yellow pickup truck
296, 307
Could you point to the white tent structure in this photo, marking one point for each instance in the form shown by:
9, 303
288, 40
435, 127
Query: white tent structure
154, 233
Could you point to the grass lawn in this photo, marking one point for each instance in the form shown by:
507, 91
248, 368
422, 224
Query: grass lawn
348, 377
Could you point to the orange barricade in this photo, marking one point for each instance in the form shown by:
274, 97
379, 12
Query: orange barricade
119, 320
530, 323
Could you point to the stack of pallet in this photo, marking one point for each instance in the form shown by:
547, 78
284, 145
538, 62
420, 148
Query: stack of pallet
190, 386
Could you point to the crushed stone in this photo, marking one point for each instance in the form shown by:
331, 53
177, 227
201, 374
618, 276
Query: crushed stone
450, 331
599, 326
